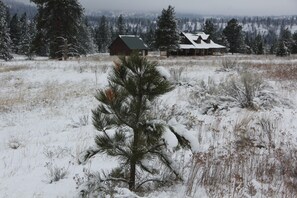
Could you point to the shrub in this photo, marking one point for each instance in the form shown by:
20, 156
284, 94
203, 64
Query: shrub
55, 173
244, 89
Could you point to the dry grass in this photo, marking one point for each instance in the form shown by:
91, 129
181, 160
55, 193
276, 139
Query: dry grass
4, 69
275, 71
49, 94
250, 165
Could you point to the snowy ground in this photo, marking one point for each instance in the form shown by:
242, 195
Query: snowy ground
45, 123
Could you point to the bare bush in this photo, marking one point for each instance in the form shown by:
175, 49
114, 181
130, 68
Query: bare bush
82, 121
176, 73
244, 89
15, 142
229, 64
55, 173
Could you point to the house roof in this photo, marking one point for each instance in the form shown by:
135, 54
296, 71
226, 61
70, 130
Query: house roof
133, 42
202, 45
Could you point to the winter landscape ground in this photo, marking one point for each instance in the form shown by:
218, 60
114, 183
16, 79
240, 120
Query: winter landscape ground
239, 111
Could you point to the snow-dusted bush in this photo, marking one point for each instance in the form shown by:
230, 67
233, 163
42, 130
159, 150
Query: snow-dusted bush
15, 142
82, 121
176, 74
94, 184
229, 64
55, 173
244, 88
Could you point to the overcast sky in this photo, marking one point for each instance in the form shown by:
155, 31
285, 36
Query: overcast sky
210, 7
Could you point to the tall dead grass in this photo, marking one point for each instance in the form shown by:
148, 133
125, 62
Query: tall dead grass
249, 165
277, 71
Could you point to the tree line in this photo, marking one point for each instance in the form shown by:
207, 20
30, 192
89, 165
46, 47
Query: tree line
60, 29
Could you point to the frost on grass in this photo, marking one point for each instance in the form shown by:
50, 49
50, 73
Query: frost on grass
55, 173
247, 90
240, 153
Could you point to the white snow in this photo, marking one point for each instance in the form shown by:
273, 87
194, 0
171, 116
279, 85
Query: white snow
46, 121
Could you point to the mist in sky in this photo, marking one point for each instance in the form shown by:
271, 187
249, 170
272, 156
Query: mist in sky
208, 7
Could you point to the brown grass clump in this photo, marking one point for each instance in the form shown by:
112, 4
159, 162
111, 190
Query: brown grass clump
4, 69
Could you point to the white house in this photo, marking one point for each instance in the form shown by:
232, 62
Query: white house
197, 44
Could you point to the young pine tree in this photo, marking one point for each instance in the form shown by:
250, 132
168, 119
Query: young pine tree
127, 129
5, 42
167, 37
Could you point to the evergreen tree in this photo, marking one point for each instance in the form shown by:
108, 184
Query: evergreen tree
15, 32
86, 39
282, 49
271, 41
167, 36
286, 38
121, 27
5, 41
258, 45
59, 23
40, 41
209, 28
294, 43
233, 33
125, 106
149, 38
103, 35
24, 46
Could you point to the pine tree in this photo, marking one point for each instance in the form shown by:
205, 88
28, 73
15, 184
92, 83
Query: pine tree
40, 42
58, 24
233, 33
286, 38
121, 27
15, 32
127, 129
258, 45
24, 46
294, 43
86, 39
209, 28
167, 37
282, 49
149, 38
103, 35
5, 41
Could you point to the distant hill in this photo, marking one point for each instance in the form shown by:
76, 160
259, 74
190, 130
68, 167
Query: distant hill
20, 8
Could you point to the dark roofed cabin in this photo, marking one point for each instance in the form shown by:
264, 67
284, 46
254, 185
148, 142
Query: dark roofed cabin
126, 44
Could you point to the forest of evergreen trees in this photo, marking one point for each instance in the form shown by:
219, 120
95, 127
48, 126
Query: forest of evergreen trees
42, 35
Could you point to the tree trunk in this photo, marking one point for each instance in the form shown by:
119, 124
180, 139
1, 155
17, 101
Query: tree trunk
132, 176
133, 162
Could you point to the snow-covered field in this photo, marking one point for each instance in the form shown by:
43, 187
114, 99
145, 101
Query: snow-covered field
45, 124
